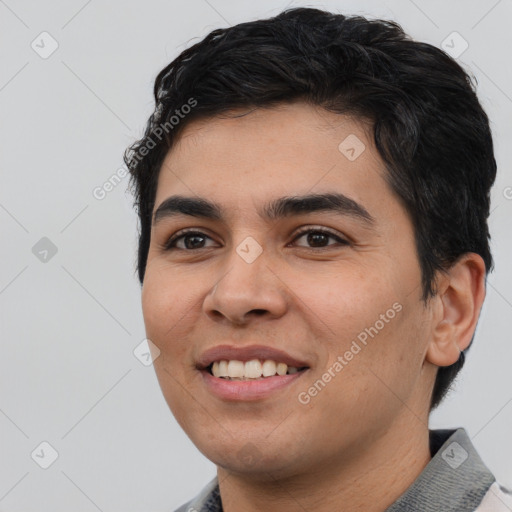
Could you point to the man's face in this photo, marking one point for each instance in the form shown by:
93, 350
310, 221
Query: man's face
344, 304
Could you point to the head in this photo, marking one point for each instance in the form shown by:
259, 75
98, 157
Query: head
305, 103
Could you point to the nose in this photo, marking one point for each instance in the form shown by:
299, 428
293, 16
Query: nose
246, 290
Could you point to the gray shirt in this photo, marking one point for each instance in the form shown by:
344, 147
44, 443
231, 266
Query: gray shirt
455, 480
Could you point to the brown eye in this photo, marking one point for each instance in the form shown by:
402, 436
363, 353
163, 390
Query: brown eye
318, 238
192, 240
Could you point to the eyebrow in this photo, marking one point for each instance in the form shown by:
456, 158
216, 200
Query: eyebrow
275, 209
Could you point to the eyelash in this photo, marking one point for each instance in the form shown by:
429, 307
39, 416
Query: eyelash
169, 245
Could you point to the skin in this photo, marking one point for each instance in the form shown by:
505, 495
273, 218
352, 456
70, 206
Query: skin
368, 427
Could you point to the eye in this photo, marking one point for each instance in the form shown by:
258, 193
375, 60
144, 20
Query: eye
194, 237
317, 237
194, 240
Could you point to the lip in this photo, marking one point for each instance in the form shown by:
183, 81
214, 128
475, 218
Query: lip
244, 354
248, 390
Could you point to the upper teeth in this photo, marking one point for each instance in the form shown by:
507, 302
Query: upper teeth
253, 369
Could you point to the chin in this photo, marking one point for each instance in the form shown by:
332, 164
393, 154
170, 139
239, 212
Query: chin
258, 457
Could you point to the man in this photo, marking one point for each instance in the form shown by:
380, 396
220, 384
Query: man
313, 194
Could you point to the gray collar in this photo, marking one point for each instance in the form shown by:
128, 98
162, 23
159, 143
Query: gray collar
455, 480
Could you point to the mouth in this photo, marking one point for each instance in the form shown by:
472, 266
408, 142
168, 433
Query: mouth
255, 369
248, 373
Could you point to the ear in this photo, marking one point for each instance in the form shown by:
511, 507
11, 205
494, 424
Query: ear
456, 308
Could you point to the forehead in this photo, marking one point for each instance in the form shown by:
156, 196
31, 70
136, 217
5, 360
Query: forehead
248, 157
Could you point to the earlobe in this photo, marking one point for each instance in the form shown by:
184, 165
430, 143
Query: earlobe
456, 308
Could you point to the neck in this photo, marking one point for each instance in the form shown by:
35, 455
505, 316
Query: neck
370, 482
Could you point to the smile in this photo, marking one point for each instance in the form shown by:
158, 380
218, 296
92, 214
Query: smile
250, 370
247, 373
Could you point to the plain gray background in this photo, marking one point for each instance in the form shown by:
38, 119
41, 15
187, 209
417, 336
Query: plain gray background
71, 319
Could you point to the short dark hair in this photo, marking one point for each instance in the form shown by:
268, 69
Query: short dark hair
428, 125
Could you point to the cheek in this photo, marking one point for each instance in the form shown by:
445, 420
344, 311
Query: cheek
372, 325
390, 361
348, 302
167, 304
